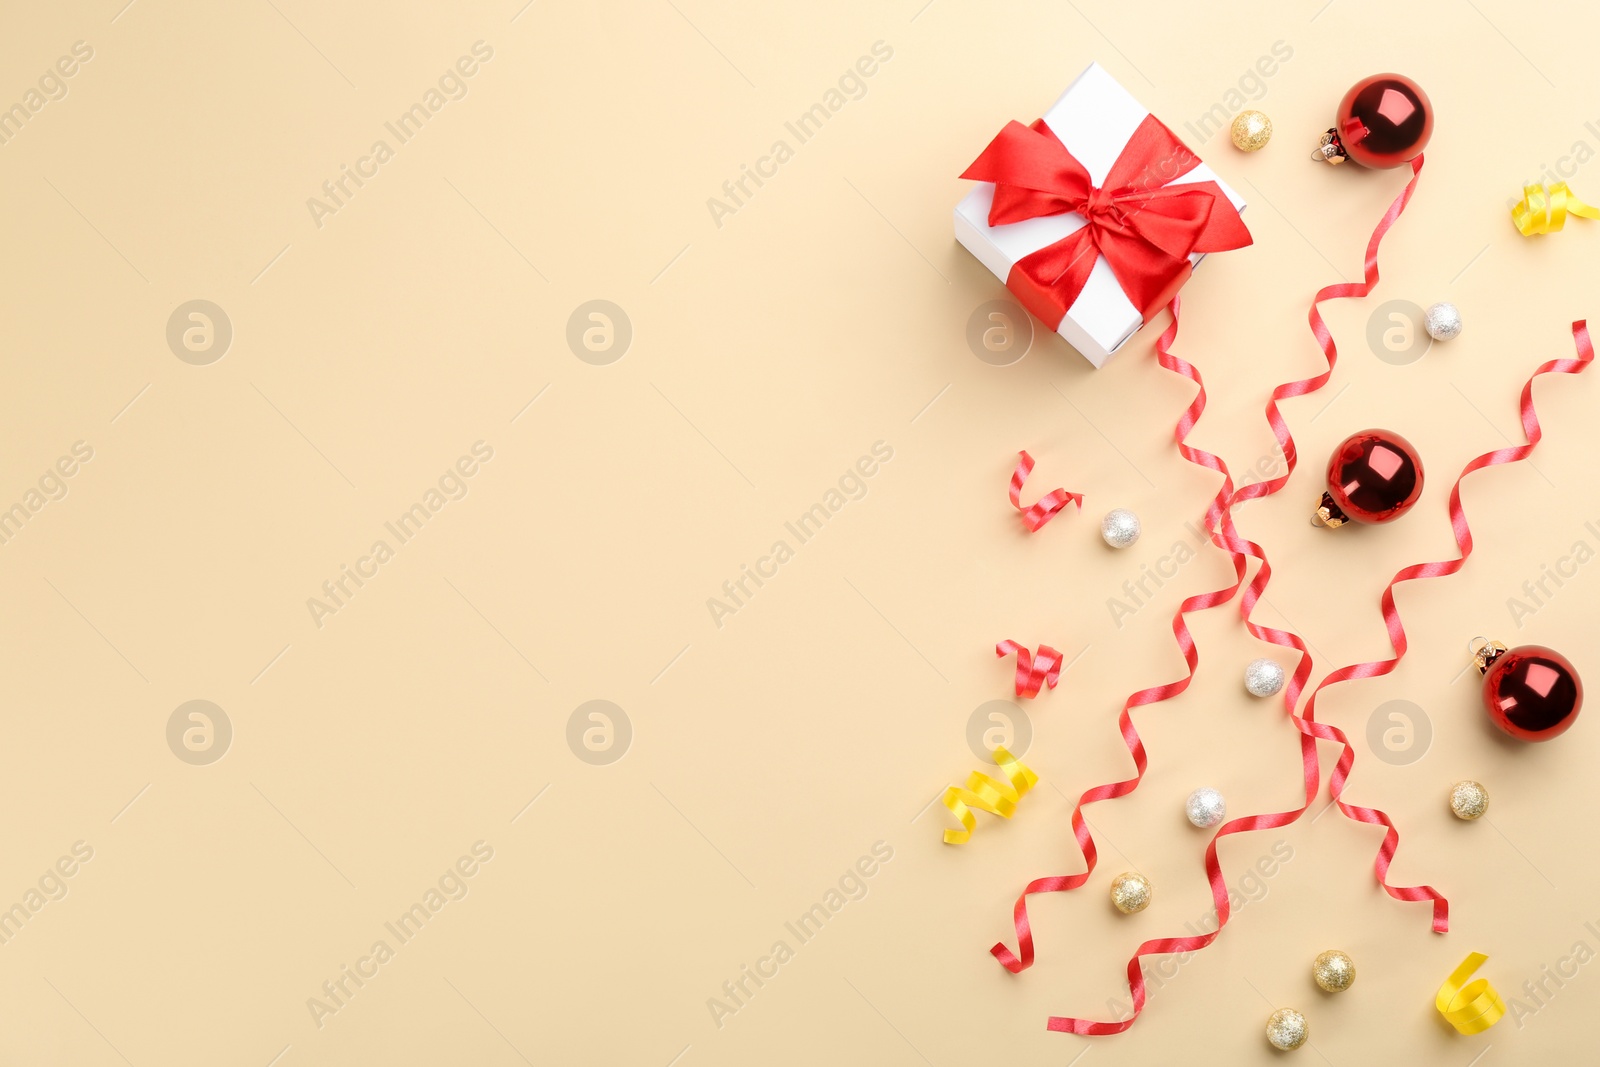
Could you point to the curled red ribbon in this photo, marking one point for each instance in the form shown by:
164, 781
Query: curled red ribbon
1048, 506
1145, 228
1225, 534
1033, 671
1230, 539
1216, 511
1310, 730
1397, 632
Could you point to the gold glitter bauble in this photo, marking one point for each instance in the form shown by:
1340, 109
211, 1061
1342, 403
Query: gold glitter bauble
1333, 971
1130, 892
1287, 1029
1251, 130
1468, 799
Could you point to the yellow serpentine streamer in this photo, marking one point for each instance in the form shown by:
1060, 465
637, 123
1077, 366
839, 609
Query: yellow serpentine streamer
987, 794
1473, 1008
1544, 209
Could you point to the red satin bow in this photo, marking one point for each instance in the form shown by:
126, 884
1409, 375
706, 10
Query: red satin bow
1145, 228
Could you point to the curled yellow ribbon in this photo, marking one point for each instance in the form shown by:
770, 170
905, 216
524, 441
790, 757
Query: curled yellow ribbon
1544, 209
1473, 1008
987, 794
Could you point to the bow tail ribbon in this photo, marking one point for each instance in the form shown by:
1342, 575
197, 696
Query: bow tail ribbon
1047, 282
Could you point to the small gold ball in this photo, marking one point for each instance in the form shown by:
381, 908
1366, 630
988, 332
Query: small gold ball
1287, 1029
1251, 130
1130, 892
1468, 800
1334, 971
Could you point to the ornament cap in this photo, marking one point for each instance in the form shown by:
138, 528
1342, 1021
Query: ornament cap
1485, 652
1329, 150
1328, 516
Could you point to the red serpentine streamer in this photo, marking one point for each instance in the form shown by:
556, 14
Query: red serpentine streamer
1033, 671
1397, 633
1226, 536
1215, 511
1310, 729
1048, 505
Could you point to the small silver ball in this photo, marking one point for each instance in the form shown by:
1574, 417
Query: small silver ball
1442, 321
1206, 808
1263, 677
1287, 1029
1120, 528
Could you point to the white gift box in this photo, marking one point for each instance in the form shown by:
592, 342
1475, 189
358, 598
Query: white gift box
1094, 119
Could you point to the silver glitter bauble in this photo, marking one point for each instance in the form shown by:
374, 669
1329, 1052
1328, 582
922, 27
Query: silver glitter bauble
1287, 1029
1130, 892
1333, 971
1468, 800
1205, 808
1120, 528
1442, 321
1263, 677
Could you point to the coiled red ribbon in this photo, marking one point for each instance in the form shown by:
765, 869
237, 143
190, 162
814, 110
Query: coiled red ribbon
1048, 506
1219, 519
1033, 671
1215, 512
1397, 632
1310, 730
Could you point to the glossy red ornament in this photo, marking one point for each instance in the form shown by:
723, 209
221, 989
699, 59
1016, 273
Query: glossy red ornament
1383, 121
1531, 692
1373, 476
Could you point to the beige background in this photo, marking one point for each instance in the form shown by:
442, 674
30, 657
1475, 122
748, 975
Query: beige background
828, 313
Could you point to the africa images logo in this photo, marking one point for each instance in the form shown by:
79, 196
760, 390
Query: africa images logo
851, 85
851, 486
452, 485
339, 190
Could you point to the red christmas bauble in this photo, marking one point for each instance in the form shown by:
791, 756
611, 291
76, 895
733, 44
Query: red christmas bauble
1384, 121
1373, 476
1532, 692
